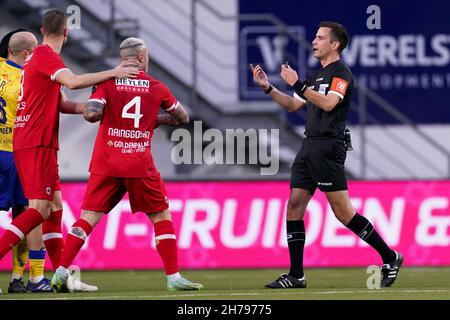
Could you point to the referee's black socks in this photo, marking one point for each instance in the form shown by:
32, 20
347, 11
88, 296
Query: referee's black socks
365, 230
296, 243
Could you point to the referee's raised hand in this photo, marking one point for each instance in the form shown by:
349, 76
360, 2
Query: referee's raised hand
288, 74
260, 77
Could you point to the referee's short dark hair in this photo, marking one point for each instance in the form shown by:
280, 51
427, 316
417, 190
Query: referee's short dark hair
338, 33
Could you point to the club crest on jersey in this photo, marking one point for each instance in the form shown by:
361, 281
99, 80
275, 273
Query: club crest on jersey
48, 190
133, 85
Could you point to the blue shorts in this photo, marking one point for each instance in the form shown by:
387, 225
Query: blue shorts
11, 193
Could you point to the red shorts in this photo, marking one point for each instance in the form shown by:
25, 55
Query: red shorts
146, 194
38, 172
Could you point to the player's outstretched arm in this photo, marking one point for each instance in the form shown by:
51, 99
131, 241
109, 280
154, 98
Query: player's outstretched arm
175, 118
71, 107
73, 81
288, 102
93, 111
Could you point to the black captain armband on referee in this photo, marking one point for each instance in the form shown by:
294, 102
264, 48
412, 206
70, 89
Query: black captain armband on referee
299, 87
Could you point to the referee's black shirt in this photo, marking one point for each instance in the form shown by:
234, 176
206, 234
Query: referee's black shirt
335, 78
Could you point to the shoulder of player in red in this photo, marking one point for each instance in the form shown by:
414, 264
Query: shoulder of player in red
44, 59
141, 84
42, 50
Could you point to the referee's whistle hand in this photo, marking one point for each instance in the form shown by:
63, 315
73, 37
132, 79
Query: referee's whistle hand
288, 74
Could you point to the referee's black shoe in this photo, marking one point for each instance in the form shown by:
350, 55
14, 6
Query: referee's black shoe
390, 271
286, 281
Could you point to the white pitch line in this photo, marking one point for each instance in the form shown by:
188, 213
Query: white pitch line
239, 294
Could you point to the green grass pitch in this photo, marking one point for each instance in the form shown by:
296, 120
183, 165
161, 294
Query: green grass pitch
323, 284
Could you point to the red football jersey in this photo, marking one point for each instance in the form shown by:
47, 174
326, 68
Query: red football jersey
37, 118
122, 146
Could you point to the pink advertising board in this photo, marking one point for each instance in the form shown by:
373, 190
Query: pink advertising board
241, 225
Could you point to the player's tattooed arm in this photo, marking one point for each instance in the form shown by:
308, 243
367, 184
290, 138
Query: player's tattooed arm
180, 115
175, 118
93, 111
166, 119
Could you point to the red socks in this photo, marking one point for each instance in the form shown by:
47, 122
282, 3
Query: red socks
52, 236
166, 244
75, 239
18, 229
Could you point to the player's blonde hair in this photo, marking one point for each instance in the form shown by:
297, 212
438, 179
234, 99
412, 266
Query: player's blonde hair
130, 47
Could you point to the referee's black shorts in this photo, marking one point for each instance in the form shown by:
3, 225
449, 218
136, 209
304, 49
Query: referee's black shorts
320, 163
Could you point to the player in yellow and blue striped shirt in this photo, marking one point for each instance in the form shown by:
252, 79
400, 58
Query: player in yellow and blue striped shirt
15, 47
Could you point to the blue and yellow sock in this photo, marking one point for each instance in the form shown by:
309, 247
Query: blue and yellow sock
37, 261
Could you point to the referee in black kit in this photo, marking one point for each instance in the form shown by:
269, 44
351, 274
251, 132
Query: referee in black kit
319, 164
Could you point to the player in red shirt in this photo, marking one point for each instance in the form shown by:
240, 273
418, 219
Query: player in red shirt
35, 138
122, 161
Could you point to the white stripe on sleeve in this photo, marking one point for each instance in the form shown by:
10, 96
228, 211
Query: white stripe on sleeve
102, 101
337, 93
53, 76
173, 107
